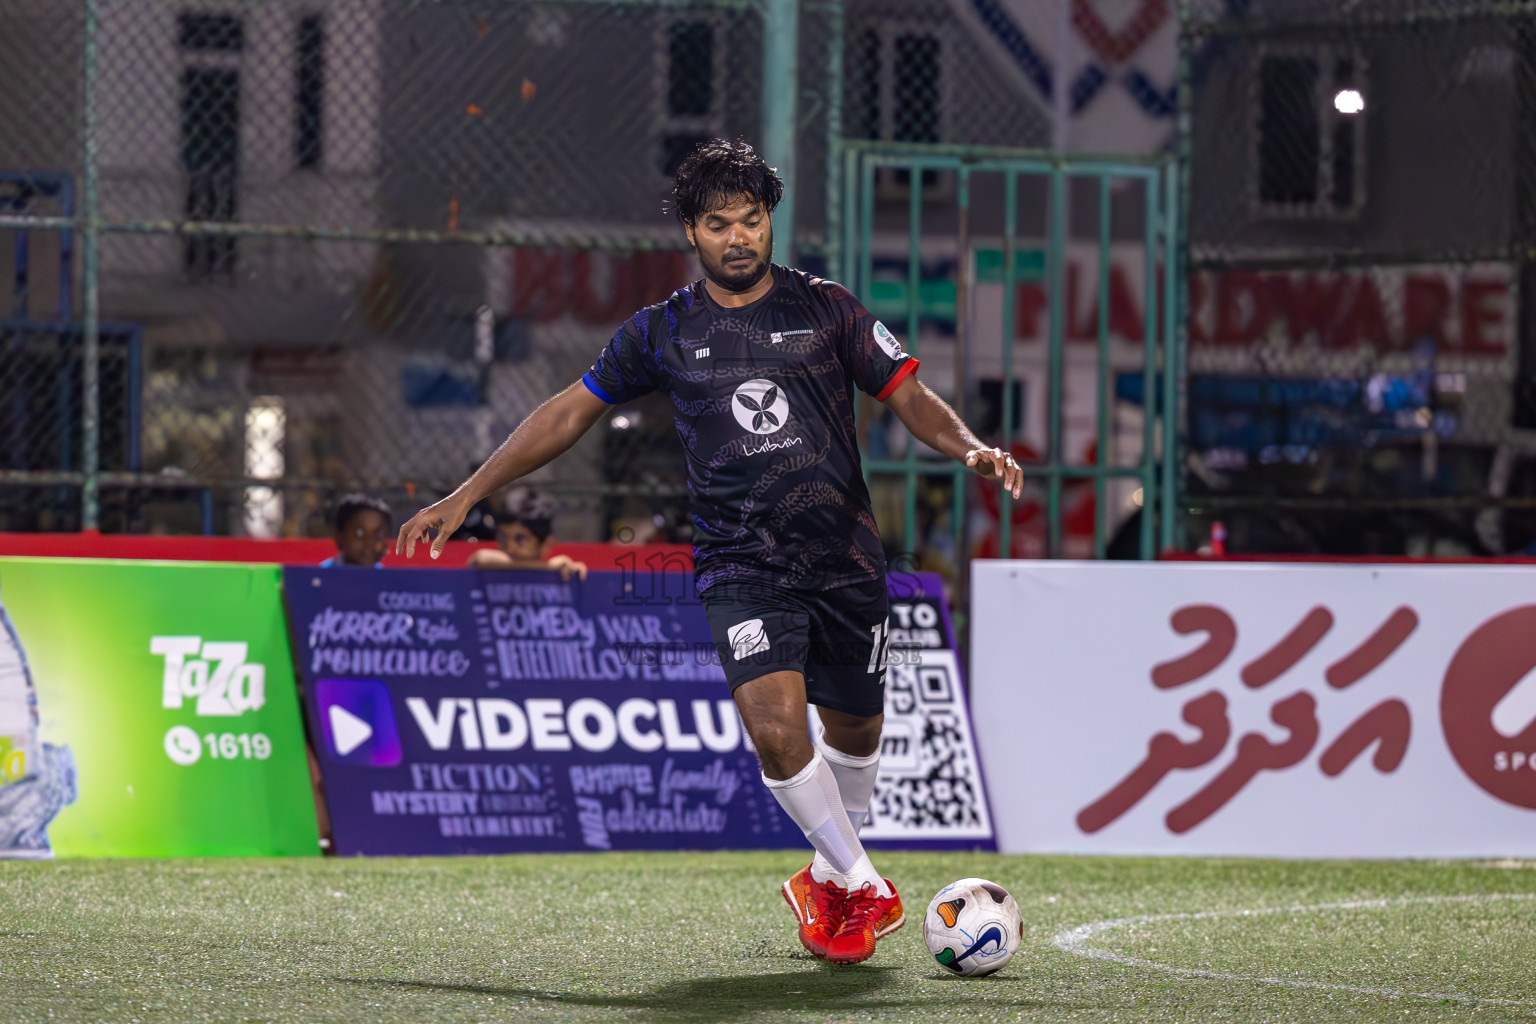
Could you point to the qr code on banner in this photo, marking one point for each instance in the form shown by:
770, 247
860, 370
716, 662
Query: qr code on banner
930, 784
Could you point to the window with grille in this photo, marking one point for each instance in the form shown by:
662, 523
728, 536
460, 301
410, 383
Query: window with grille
309, 91
1309, 117
689, 88
896, 92
211, 46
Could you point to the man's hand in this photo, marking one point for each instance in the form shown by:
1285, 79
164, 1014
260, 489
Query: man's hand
994, 463
445, 517
933, 422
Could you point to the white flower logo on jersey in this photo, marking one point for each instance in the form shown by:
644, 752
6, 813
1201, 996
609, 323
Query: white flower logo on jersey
760, 406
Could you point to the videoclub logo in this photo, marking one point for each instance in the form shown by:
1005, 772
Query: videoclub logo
1488, 706
357, 719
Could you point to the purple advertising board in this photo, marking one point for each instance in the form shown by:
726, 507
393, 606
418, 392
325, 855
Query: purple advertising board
463, 711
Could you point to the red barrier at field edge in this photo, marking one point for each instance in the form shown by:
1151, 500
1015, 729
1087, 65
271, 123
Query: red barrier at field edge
298, 551
1188, 556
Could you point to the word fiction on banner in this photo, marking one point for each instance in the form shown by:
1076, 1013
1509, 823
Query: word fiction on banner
1271, 710
484, 712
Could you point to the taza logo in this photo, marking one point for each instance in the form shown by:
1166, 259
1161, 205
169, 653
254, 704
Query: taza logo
215, 673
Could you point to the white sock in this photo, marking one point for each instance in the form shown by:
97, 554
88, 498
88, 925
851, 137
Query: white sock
812, 801
855, 785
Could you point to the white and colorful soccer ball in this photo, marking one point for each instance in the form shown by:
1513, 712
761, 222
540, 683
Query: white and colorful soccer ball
972, 927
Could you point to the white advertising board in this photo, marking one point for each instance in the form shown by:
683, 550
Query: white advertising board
1289, 710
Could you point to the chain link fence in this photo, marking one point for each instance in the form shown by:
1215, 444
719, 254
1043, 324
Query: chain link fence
341, 245
298, 248
1361, 226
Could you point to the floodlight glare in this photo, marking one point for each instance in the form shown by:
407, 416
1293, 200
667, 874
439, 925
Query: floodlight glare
1349, 101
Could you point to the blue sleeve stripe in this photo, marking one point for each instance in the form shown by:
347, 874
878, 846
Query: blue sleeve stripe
591, 384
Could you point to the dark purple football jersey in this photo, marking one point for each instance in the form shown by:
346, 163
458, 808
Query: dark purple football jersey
763, 399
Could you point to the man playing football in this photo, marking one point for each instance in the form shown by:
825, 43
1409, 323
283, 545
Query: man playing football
760, 362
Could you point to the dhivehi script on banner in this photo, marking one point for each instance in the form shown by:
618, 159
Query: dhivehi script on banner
1295, 710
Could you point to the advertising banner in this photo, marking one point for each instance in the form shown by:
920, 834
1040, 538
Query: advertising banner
498, 712
1278, 710
148, 710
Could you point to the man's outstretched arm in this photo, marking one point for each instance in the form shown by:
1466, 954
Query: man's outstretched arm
933, 422
550, 430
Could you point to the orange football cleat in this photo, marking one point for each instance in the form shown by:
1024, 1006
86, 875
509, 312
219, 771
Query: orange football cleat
818, 908
867, 917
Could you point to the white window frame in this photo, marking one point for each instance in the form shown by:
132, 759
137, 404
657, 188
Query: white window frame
887, 185
1326, 57
217, 60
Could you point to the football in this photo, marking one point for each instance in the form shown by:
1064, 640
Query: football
972, 927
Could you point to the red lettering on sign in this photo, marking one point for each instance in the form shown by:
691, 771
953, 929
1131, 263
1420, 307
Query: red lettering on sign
1242, 308
1376, 648
1221, 636
1294, 646
1125, 316
1029, 305
1426, 307
1365, 320
1165, 752
550, 283
1480, 315
1297, 714
1309, 303
1387, 724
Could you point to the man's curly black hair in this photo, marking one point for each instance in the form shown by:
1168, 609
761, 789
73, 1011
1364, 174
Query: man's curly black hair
716, 173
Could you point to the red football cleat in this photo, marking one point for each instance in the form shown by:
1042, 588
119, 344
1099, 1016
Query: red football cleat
817, 906
867, 917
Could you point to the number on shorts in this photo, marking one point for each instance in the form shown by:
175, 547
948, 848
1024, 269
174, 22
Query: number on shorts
882, 635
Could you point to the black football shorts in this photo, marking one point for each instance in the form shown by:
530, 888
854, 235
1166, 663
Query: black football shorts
836, 638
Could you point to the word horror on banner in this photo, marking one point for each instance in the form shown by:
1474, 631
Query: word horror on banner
473, 712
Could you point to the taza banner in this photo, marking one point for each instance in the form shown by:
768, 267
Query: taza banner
1278, 710
496, 712
148, 710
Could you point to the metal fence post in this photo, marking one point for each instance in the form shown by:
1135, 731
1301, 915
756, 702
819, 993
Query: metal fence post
834, 102
781, 59
90, 252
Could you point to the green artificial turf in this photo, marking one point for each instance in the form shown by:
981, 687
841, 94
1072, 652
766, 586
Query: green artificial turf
706, 937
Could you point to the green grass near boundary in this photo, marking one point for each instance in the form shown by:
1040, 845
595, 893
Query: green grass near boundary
687, 938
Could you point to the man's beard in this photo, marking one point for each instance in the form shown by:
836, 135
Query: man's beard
737, 280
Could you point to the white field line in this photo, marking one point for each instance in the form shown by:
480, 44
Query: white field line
1078, 941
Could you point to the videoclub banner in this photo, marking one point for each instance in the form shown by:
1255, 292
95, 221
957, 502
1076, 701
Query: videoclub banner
1296, 710
499, 712
148, 710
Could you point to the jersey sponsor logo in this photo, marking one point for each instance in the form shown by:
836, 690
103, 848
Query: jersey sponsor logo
760, 406
771, 446
747, 638
778, 336
887, 341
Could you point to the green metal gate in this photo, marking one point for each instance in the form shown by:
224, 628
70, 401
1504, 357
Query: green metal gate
946, 184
